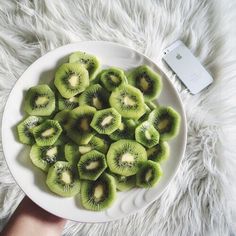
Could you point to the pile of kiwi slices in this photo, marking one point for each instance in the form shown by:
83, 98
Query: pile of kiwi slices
98, 131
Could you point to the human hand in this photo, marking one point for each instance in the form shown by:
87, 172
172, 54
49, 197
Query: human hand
30, 219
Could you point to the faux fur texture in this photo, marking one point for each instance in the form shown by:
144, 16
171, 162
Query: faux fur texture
201, 199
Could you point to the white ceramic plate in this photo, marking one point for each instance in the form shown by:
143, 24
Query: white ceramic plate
32, 180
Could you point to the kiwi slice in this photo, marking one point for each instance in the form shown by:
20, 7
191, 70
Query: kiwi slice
124, 183
63, 117
152, 105
67, 103
166, 120
148, 174
95, 96
71, 152
145, 79
159, 152
91, 165
147, 109
44, 157
71, 79
146, 134
39, 101
106, 121
24, 129
95, 143
128, 101
47, 133
146, 114
100, 194
62, 139
124, 157
79, 129
89, 62
112, 78
106, 142
63, 180
124, 131
97, 78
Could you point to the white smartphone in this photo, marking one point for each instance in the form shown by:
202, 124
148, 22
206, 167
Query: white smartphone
187, 67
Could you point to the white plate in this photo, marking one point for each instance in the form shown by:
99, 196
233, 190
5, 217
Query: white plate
32, 180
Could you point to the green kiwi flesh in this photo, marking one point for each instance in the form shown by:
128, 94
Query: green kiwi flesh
148, 175
89, 62
95, 96
63, 117
152, 105
71, 79
71, 152
128, 101
67, 103
63, 180
146, 114
91, 165
124, 157
24, 129
98, 195
124, 183
106, 142
95, 143
106, 121
166, 121
124, 131
147, 81
96, 80
79, 129
159, 153
39, 101
47, 133
147, 135
63, 138
74, 151
44, 157
112, 78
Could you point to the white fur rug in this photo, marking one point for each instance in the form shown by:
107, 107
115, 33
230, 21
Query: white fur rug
201, 199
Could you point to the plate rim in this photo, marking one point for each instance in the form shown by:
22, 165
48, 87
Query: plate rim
184, 119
